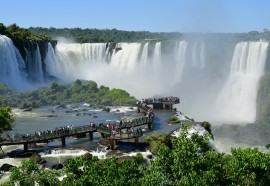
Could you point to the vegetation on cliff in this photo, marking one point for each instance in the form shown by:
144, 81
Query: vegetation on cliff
21, 37
59, 94
189, 161
263, 100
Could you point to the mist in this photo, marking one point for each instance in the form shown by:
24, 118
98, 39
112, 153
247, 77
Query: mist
216, 80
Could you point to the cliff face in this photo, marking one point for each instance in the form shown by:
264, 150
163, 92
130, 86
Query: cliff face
33, 49
263, 96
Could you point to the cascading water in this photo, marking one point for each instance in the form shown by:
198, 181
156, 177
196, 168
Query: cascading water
72, 61
127, 56
12, 66
180, 61
144, 57
237, 99
34, 64
183, 72
223, 81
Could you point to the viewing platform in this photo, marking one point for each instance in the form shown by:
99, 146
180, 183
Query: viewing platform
110, 130
158, 103
123, 129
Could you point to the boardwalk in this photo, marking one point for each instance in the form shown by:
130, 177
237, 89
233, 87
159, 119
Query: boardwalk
110, 130
117, 130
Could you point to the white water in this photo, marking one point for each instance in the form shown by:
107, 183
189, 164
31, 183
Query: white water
180, 61
184, 72
11, 65
211, 85
237, 99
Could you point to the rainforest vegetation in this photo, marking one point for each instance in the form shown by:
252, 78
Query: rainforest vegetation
22, 37
59, 94
113, 35
183, 161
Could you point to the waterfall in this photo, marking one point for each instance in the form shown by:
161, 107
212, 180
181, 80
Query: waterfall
237, 99
180, 60
52, 67
127, 56
12, 70
144, 57
198, 54
220, 78
34, 64
73, 60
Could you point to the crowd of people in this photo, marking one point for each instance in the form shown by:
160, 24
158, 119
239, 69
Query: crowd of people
111, 128
170, 99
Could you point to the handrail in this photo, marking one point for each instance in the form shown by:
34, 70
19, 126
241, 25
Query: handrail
71, 131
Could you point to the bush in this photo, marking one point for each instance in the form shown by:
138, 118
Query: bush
174, 119
139, 158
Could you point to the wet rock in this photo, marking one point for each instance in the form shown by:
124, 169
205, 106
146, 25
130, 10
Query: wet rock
27, 110
38, 159
58, 166
48, 116
149, 156
125, 158
6, 167
20, 154
88, 156
115, 153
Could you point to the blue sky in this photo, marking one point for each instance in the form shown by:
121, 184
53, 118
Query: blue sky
138, 15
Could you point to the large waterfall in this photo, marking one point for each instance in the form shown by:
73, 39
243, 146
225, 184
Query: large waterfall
215, 81
237, 99
12, 66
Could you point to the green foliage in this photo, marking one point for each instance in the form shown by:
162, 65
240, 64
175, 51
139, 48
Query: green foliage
30, 173
186, 163
174, 119
57, 94
139, 158
107, 109
263, 100
155, 142
106, 35
6, 119
207, 126
21, 37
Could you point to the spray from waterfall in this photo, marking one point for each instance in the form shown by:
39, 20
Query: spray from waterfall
237, 99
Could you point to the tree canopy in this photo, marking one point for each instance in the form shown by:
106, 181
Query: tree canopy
58, 94
6, 119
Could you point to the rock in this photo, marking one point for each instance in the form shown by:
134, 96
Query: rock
149, 156
38, 159
58, 166
48, 116
27, 110
20, 154
88, 156
6, 167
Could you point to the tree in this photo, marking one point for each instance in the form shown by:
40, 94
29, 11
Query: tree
6, 119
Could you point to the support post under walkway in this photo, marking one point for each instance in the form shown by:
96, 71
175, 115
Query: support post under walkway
63, 141
91, 135
25, 146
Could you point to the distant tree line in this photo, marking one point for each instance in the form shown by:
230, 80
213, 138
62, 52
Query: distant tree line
103, 35
113, 35
58, 94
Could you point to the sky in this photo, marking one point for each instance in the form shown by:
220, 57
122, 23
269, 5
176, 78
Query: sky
140, 15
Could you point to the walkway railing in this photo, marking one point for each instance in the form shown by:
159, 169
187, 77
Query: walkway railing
72, 131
